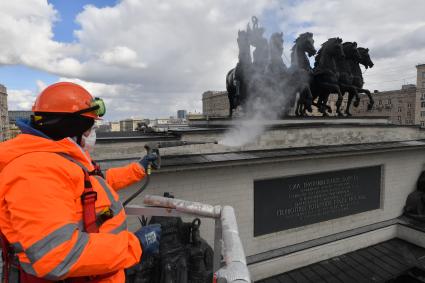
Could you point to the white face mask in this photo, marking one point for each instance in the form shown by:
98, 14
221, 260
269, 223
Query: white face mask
88, 140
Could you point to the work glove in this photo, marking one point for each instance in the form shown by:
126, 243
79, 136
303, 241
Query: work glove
148, 159
149, 237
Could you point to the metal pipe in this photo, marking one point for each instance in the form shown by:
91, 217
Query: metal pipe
191, 207
235, 269
164, 144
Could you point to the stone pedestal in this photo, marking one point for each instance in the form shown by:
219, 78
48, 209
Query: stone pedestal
345, 182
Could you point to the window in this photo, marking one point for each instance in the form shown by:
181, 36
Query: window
399, 109
389, 101
380, 102
423, 124
399, 118
423, 95
422, 104
409, 105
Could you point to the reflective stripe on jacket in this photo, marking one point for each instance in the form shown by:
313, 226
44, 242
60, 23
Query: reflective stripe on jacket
41, 211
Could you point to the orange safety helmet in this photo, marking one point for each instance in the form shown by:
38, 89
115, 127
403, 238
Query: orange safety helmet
66, 97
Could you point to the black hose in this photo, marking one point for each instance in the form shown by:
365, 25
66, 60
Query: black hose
138, 192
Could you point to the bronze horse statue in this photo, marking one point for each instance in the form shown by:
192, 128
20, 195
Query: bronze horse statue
238, 78
358, 76
351, 78
325, 75
302, 71
265, 81
345, 79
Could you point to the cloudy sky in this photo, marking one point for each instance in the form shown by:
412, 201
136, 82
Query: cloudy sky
148, 58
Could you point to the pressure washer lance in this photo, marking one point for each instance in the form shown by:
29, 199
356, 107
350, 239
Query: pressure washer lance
164, 144
153, 148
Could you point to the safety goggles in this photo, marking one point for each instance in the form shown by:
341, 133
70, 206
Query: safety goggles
97, 106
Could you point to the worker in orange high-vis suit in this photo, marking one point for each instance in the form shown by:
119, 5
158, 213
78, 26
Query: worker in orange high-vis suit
62, 219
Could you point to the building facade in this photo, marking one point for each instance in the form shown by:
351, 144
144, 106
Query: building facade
181, 114
215, 104
126, 125
405, 106
115, 126
4, 117
420, 95
131, 125
166, 124
102, 127
15, 115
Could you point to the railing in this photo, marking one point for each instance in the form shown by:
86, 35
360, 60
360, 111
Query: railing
226, 236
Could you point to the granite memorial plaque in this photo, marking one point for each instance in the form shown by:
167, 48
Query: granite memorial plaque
289, 202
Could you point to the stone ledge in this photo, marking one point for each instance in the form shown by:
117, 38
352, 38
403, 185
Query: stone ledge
194, 161
291, 121
318, 242
286, 259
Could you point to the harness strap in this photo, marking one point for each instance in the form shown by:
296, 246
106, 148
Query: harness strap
88, 200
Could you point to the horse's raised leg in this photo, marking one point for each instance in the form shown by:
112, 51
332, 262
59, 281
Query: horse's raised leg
350, 99
307, 99
338, 104
322, 106
352, 93
371, 101
353, 90
327, 89
300, 110
357, 101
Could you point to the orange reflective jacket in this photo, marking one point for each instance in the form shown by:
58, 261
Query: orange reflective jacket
41, 211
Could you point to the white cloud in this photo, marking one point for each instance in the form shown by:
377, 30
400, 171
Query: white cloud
121, 56
150, 57
22, 99
177, 45
26, 33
